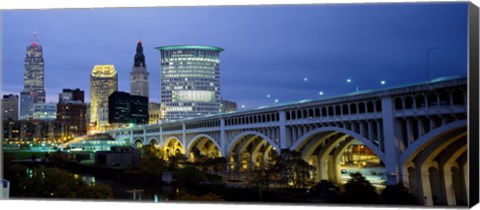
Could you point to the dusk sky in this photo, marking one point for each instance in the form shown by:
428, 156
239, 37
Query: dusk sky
269, 50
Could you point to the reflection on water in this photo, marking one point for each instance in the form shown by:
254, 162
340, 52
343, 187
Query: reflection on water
130, 191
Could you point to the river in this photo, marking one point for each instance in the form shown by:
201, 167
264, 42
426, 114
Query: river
132, 191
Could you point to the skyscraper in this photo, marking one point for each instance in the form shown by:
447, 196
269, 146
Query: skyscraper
10, 107
139, 74
189, 80
103, 82
26, 105
34, 70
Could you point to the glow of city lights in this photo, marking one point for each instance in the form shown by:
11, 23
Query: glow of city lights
382, 82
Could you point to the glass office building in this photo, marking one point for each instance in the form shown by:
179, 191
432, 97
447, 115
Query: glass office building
190, 81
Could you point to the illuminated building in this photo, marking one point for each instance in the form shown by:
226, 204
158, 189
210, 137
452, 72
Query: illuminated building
32, 130
154, 114
34, 70
45, 111
26, 105
139, 74
10, 107
189, 80
72, 112
124, 108
227, 106
103, 82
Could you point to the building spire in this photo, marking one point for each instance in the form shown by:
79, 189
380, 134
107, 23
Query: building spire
35, 41
139, 57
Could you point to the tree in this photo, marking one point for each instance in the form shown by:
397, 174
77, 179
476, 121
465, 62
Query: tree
398, 194
151, 164
293, 170
217, 163
190, 176
45, 182
359, 190
325, 190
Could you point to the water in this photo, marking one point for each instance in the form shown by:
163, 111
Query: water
122, 190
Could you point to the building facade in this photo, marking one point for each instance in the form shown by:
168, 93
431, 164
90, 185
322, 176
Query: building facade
139, 74
154, 114
119, 108
72, 112
10, 107
103, 82
124, 108
45, 111
26, 105
68, 95
227, 106
32, 130
34, 70
190, 81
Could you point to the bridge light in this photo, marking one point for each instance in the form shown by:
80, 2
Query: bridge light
305, 79
382, 82
320, 93
349, 80
268, 96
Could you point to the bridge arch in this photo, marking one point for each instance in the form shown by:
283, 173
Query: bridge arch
303, 140
428, 138
153, 140
325, 149
138, 143
173, 146
239, 136
198, 138
250, 150
435, 158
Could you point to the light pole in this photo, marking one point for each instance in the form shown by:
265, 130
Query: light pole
356, 86
428, 60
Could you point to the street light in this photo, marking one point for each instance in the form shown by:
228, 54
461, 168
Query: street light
428, 60
356, 86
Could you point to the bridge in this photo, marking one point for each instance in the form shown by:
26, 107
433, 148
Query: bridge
418, 131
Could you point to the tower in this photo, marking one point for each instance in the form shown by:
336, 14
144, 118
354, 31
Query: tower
34, 70
139, 74
103, 82
189, 80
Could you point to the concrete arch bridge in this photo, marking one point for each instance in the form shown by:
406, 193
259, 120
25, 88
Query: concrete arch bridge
417, 131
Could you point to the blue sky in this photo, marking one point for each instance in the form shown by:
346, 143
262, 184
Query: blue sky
269, 50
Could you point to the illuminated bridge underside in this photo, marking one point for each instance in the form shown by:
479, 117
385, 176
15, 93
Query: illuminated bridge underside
417, 131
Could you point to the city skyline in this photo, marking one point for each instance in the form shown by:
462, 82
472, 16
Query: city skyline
293, 53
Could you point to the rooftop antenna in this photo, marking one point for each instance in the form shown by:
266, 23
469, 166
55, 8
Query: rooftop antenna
35, 37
